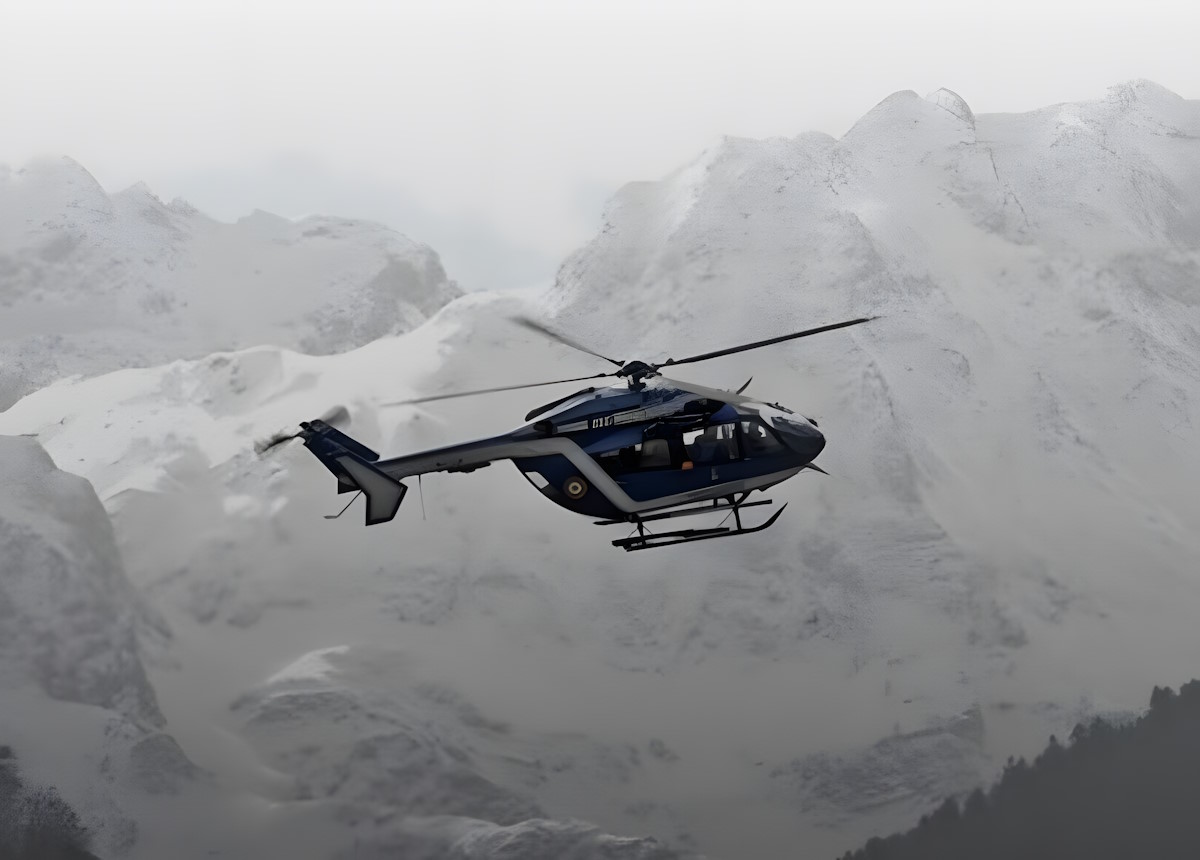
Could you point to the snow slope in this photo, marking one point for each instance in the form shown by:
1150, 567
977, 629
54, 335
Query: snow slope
90, 282
1010, 531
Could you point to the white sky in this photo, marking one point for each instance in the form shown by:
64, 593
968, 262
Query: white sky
495, 131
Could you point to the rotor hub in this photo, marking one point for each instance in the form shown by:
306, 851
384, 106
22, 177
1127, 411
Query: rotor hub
636, 371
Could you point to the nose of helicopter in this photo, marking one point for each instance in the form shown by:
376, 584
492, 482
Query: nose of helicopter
804, 439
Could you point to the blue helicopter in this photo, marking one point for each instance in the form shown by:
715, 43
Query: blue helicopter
643, 450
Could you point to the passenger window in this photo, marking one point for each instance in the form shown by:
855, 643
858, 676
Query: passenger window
626, 459
651, 454
706, 446
712, 445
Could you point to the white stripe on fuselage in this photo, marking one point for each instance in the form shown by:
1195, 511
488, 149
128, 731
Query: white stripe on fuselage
502, 448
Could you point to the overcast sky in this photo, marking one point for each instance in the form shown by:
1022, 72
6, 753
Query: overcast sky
495, 131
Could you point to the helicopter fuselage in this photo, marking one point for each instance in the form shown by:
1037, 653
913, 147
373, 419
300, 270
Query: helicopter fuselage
620, 452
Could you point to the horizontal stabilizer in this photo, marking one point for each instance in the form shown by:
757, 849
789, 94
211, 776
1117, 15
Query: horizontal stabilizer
815, 468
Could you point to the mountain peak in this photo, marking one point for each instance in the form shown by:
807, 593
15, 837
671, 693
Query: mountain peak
953, 102
905, 115
1142, 89
142, 191
58, 193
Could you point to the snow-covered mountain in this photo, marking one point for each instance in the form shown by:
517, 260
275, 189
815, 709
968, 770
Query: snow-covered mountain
90, 282
1008, 541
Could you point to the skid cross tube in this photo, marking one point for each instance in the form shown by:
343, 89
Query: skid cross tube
717, 505
645, 540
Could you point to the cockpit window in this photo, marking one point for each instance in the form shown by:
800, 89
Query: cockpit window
758, 441
787, 424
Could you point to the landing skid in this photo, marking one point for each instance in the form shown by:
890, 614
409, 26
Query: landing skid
647, 540
717, 505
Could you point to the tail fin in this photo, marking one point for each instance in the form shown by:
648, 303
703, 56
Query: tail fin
353, 464
322, 430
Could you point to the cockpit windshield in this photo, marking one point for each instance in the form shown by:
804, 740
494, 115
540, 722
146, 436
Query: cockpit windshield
758, 440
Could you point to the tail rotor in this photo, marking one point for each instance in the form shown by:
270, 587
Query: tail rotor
338, 416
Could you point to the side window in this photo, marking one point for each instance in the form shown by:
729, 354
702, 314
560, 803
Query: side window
622, 460
651, 454
758, 441
715, 444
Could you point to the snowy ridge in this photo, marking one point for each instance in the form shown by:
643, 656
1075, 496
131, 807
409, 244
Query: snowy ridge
90, 282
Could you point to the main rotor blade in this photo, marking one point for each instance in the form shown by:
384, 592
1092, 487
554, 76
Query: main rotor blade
491, 390
760, 343
525, 322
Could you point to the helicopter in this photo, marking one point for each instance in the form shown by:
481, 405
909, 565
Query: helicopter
643, 450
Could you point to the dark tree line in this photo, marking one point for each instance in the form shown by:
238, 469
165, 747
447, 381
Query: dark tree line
36, 823
1114, 791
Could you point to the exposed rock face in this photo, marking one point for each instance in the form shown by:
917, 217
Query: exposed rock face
414, 769
914, 769
67, 613
75, 703
459, 839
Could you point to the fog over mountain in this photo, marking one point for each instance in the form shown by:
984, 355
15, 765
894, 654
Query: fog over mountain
1006, 544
